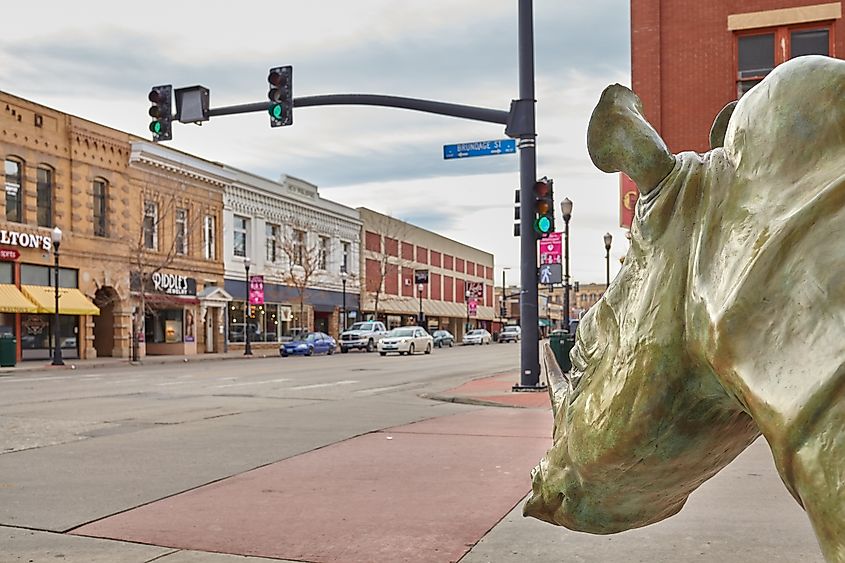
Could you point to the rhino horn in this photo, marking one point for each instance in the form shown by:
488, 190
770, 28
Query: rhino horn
620, 139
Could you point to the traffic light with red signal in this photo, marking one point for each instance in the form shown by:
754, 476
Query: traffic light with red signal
280, 81
544, 207
161, 99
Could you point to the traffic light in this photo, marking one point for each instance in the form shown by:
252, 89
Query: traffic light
544, 207
160, 111
281, 96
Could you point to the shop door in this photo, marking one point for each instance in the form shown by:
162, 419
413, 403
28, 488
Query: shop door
209, 329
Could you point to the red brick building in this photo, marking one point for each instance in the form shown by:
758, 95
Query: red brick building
691, 57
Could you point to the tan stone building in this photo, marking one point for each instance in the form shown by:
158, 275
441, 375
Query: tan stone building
457, 288
67, 172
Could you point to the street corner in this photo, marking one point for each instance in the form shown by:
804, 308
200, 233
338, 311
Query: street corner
495, 390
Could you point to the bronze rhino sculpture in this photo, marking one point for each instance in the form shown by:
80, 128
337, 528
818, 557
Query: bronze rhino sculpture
727, 320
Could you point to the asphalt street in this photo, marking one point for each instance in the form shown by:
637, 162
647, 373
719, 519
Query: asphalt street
339, 458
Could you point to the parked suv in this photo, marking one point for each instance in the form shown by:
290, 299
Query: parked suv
362, 336
510, 333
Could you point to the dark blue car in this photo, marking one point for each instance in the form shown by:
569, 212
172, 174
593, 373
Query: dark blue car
308, 344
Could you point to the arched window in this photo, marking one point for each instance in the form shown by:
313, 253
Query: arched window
14, 190
100, 192
44, 193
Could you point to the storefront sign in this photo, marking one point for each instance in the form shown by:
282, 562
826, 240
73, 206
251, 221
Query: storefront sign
475, 290
420, 276
173, 284
25, 240
256, 290
165, 283
9, 254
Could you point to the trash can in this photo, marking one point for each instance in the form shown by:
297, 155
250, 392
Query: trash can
562, 343
8, 350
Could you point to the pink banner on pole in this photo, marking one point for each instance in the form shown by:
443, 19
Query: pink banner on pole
551, 249
256, 290
473, 307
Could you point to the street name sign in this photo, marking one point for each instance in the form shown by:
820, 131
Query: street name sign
479, 148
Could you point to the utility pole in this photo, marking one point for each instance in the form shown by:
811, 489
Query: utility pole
529, 365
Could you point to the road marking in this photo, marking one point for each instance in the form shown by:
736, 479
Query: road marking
52, 378
172, 383
250, 383
318, 385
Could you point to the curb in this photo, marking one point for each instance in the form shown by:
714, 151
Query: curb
69, 365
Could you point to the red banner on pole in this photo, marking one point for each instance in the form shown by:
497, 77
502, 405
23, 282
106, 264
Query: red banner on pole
256, 290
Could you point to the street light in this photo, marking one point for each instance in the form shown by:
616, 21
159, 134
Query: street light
57, 347
566, 209
343, 276
608, 238
420, 291
468, 294
502, 309
247, 310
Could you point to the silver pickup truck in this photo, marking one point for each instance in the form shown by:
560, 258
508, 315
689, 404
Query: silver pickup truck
362, 336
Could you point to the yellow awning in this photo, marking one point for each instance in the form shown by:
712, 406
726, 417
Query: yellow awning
13, 301
71, 300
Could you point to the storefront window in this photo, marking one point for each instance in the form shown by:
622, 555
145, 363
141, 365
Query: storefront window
7, 272
43, 275
36, 336
164, 326
236, 321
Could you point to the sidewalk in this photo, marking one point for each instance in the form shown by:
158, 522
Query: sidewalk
72, 364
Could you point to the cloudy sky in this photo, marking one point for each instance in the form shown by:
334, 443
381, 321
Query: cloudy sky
98, 59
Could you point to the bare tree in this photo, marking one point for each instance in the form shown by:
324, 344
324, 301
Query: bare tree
304, 259
161, 233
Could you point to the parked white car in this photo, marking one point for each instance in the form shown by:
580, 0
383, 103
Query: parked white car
406, 340
478, 336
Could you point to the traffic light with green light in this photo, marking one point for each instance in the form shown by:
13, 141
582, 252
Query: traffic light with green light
160, 97
544, 207
281, 96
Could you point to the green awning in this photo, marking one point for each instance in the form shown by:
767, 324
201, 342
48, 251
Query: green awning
545, 322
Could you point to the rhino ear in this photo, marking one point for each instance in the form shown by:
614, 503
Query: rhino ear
619, 139
720, 126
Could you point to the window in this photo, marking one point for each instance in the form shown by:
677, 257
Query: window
323, 258
14, 191
100, 211
208, 242
298, 246
271, 242
44, 195
150, 225
181, 231
345, 249
759, 52
241, 227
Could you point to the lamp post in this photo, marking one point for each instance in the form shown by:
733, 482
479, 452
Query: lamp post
608, 238
566, 209
247, 310
57, 347
467, 295
420, 291
502, 308
343, 276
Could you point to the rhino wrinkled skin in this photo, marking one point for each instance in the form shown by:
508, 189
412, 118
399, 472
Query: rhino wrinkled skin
727, 320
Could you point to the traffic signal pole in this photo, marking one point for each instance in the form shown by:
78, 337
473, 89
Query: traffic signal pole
529, 365
519, 123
